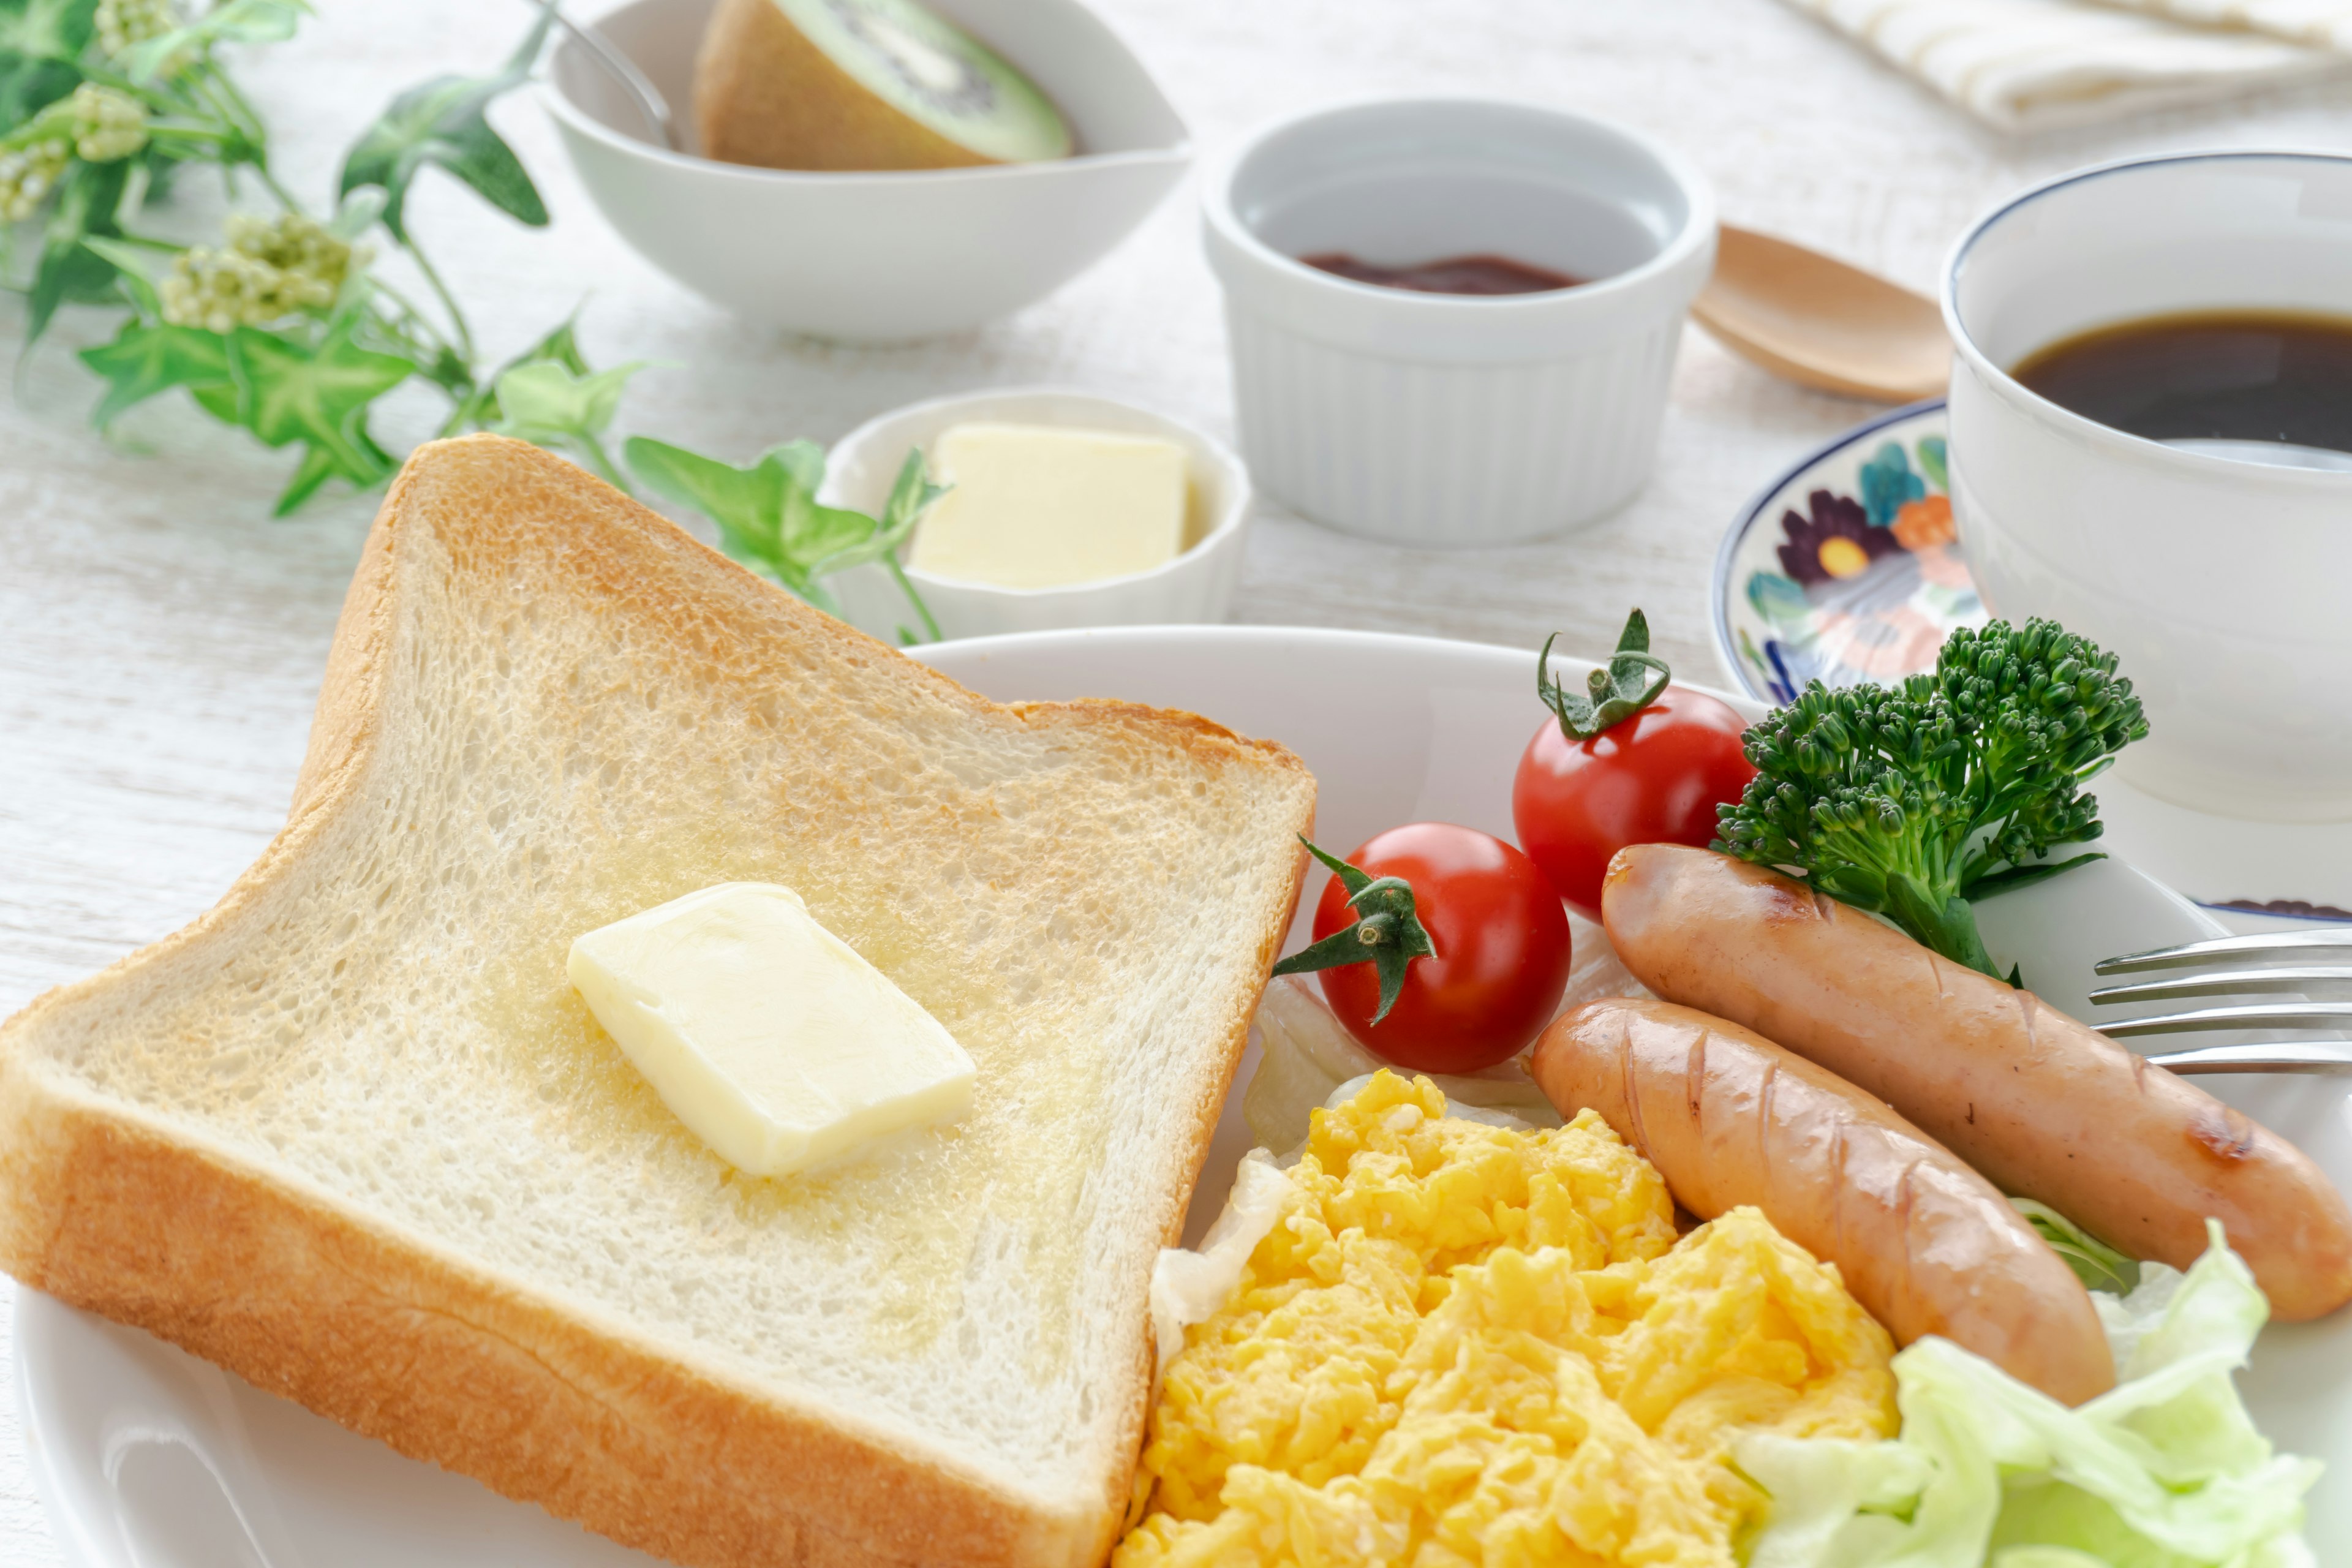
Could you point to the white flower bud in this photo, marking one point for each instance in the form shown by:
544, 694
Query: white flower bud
123, 23
106, 125
271, 268
28, 175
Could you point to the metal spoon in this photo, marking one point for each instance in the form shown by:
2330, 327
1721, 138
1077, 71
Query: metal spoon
1815, 321
643, 94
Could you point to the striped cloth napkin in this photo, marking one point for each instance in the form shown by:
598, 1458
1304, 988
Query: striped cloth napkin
2030, 65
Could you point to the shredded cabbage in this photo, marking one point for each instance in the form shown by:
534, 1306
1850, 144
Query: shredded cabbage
2164, 1471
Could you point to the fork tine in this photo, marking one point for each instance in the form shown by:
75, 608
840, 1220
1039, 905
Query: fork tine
2297, 1056
2261, 945
2334, 1016
2227, 947
2219, 981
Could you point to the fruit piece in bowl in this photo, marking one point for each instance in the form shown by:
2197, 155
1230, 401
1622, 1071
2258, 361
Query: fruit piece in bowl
885, 254
863, 85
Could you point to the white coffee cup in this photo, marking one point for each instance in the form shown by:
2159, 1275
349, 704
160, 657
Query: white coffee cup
1446, 419
2221, 584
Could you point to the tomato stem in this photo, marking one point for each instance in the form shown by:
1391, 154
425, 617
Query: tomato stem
1388, 935
1629, 682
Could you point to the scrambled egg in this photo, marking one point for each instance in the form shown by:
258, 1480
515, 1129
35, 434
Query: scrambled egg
1466, 1345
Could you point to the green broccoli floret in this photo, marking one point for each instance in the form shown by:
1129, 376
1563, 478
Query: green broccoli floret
1914, 800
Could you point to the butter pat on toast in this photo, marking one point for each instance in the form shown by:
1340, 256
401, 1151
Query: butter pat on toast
354, 1135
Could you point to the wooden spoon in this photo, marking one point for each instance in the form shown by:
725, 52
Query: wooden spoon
1815, 321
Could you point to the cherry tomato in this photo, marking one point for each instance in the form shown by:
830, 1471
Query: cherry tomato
1502, 951
1655, 778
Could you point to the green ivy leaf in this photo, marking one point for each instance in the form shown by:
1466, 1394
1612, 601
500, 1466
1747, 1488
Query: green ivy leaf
289, 392
746, 503
545, 397
239, 22
765, 510
803, 463
816, 537
911, 494
481, 411
317, 467
221, 399
47, 29
137, 262
148, 358
441, 123
69, 271
29, 85
356, 213
54, 123
560, 346
770, 520
545, 403
821, 535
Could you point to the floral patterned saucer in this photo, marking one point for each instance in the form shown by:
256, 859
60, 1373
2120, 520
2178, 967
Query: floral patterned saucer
1846, 569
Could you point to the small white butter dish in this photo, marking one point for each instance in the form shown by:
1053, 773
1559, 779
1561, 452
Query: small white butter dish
1197, 585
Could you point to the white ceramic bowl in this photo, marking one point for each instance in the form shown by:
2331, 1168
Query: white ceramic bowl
1195, 586
147, 1456
880, 257
1444, 419
2221, 584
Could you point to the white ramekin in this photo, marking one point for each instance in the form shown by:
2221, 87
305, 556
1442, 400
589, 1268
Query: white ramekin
1442, 419
2218, 584
1195, 586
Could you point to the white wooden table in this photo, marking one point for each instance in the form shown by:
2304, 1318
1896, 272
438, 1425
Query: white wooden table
161, 640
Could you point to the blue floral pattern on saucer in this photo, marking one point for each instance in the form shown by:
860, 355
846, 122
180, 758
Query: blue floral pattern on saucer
1847, 570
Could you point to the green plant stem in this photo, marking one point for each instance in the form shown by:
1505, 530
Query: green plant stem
164, 131
464, 344
239, 129
890, 559
284, 197
461, 416
148, 93
233, 105
601, 461
409, 312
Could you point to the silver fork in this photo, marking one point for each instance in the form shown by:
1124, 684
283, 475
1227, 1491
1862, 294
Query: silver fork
2233, 965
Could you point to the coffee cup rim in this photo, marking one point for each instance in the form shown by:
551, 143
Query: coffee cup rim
2138, 447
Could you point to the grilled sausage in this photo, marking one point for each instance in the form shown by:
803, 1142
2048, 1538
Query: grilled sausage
1925, 1243
2043, 1106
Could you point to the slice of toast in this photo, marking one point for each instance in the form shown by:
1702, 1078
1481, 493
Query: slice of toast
353, 1135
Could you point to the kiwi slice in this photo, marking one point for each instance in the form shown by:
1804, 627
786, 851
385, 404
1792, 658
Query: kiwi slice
863, 84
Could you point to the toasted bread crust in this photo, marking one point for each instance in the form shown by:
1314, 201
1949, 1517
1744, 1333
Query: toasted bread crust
114, 1210
380, 1332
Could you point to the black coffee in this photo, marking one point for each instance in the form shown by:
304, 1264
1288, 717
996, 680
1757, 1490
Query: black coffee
2214, 375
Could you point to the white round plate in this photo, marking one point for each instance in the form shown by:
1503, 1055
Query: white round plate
149, 1459
1846, 569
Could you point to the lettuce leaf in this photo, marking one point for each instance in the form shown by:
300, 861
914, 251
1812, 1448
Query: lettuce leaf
2164, 1471
2098, 1266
